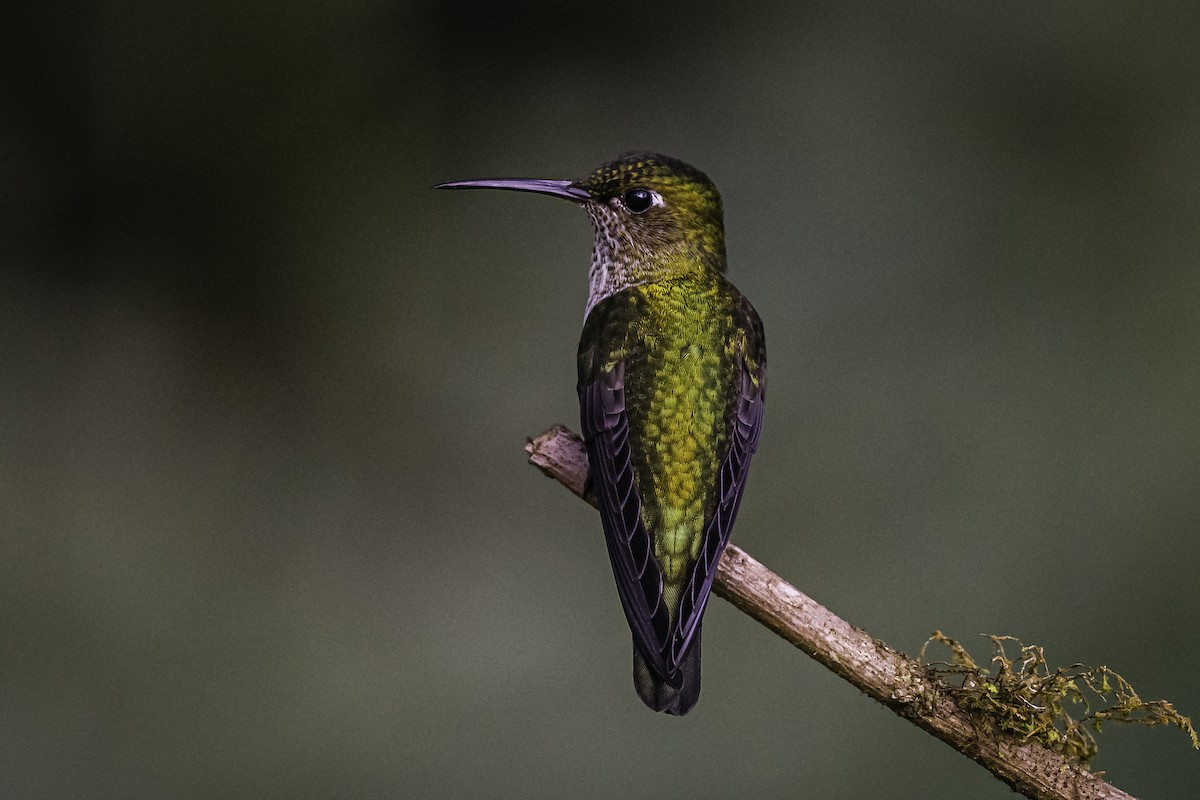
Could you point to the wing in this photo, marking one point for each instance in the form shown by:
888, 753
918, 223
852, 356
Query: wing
639, 580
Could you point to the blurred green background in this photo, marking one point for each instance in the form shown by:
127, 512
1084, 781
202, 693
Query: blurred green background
266, 525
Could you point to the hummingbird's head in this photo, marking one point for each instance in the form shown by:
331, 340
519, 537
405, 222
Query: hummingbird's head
651, 208
654, 216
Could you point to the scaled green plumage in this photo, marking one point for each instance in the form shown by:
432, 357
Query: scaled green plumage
678, 341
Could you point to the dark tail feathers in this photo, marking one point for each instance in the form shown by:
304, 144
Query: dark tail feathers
676, 696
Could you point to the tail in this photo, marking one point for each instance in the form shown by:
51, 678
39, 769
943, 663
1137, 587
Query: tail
675, 695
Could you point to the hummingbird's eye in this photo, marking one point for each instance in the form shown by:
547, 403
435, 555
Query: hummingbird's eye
638, 200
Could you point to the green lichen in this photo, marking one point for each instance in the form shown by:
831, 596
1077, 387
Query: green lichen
1059, 708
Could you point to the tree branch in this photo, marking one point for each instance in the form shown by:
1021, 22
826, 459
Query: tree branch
898, 682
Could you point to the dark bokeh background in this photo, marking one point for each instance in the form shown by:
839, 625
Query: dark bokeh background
266, 525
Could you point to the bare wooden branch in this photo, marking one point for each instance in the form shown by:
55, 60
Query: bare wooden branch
896, 681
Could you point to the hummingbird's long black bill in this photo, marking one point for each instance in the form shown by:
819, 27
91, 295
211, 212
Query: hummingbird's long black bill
563, 189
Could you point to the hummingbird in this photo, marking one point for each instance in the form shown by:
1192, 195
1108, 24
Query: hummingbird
671, 382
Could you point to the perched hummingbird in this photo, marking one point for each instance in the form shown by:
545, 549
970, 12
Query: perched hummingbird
671, 385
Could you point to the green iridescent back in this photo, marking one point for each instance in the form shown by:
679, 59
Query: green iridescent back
679, 347
671, 388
